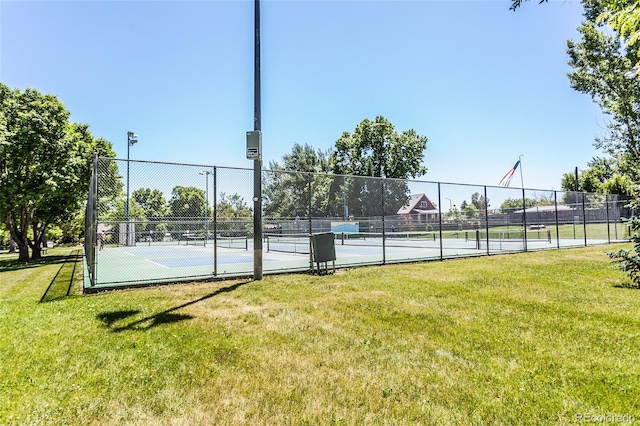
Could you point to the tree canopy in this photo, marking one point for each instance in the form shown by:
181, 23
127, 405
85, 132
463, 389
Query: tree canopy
45, 164
376, 149
187, 202
341, 182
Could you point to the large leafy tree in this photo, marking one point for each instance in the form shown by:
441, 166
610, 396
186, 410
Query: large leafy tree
187, 202
599, 66
152, 203
603, 176
286, 191
45, 164
233, 207
155, 208
375, 149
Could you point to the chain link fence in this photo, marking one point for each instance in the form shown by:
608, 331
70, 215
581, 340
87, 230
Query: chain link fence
152, 222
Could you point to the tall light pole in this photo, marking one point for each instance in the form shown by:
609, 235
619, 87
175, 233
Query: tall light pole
132, 138
257, 161
450, 206
206, 174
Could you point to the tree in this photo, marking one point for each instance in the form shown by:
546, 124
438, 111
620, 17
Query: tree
629, 260
600, 65
286, 193
152, 203
375, 149
471, 211
480, 203
155, 208
233, 207
603, 176
187, 202
511, 204
45, 164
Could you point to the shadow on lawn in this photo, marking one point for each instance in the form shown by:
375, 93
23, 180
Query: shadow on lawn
62, 284
15, 264
109, 319
628, 285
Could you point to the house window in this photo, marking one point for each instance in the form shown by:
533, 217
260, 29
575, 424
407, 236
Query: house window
423, 204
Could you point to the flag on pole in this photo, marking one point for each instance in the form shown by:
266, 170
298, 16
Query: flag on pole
506, 179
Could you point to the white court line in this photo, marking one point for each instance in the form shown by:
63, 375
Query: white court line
158, 264
124, 250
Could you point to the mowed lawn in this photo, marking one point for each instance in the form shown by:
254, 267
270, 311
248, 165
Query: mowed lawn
547, 337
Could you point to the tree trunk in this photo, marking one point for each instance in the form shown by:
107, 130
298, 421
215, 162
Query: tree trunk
23, 249
21, 241
36, 252
36, 244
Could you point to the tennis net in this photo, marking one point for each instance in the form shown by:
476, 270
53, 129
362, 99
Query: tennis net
408, 239
514, 235
239, 242
288, 243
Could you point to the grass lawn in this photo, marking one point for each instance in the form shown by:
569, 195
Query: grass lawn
531, 338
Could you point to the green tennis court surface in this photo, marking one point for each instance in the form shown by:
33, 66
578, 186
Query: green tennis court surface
155, 262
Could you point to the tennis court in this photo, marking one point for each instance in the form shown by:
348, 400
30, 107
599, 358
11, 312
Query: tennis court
156, 262
191, 222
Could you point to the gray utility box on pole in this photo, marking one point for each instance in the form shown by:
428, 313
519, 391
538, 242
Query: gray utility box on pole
254, 145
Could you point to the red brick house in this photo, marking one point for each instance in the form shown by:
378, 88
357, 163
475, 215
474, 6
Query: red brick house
419, 208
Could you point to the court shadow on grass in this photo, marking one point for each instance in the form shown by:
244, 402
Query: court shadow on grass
15, 264
627, 285
62, 284
110, 320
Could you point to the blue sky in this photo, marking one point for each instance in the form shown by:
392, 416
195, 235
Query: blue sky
483, 83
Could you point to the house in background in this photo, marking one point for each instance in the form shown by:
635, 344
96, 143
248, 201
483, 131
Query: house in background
419, 209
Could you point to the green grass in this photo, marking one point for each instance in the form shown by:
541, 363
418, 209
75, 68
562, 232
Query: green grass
532, 338
597, 231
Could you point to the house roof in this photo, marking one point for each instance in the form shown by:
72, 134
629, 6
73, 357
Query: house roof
411, 206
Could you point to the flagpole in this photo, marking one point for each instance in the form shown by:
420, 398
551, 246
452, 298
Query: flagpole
521, 178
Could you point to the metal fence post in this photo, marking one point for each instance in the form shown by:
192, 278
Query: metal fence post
310, 224
215, 221
440, 220
584, 219
555, 201
486, 216
384, 234
606, 203
524, 219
